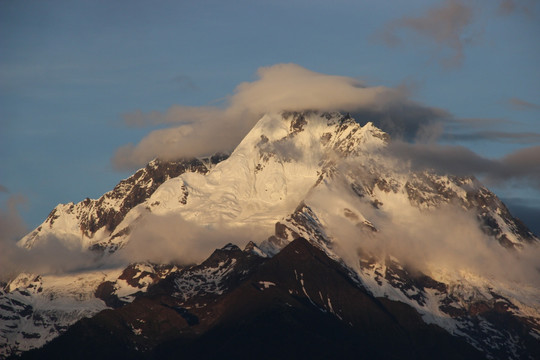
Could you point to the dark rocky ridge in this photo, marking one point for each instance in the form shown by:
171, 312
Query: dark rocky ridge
298, 304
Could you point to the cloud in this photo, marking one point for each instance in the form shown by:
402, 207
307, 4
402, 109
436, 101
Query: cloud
445, 26
447, 247
11, 223
479, 122
12, 228
155, 238
185, 82
509, 7
200, 131
415, 128
517, 138
3, 189
518, 104
50, 255
407, 121
169, 238
421, 244
521, 166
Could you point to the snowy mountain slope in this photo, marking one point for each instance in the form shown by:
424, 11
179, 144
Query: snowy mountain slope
325, 178
89, 222
38, 308
35, 309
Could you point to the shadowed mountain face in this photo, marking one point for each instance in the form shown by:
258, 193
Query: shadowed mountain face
298, 304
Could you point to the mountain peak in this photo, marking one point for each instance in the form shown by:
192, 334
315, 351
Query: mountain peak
318, 181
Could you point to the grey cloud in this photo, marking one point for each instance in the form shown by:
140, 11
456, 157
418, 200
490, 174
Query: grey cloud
519, 104
509, 7
11, 223
185, 82
138, 118
517, 138
444, 25
522, 166
428, 125
12, 228
422, 246
3, 189
456, 160
407, 120
525, 210
478, 122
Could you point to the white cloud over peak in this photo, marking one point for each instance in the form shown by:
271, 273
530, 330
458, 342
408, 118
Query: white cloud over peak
200, 131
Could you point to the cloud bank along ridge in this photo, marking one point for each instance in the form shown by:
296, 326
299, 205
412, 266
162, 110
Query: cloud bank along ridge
201, 131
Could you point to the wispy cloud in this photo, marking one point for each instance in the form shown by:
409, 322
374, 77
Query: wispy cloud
11, 223
185, 82
519, 104
501, 136
508, 7
12, 228
444, 25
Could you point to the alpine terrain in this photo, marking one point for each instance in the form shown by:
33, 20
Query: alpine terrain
327, 247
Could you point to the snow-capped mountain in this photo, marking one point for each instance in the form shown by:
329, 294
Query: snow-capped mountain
90, 223
394, 234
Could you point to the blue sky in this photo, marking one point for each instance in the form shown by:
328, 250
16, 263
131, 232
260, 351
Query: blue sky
70, 71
